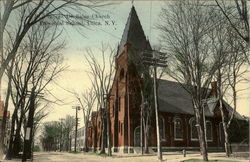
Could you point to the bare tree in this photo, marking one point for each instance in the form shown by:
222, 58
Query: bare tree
229, 50
69, 124
87, 102
36, 65
221, 53
184, 30
5, 111
31, 13
101, 75
237, 15
235, 62
39, 115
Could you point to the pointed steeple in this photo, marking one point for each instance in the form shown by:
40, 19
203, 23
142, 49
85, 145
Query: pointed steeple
133, 33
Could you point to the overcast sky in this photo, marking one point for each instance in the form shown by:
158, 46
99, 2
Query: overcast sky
76, 78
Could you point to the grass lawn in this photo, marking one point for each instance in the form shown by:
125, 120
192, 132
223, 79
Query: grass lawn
199, 160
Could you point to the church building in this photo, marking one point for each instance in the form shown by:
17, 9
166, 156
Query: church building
176, 115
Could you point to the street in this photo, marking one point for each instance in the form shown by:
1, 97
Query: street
92, 157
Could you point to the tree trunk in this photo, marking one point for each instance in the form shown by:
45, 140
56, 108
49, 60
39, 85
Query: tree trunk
146, 124
4, 120
17, 140
94, 141
86, 137
10, 147
103, 138
108, 135
226, 144
201, 133
142, 109
5, 111
146, 139
29, 130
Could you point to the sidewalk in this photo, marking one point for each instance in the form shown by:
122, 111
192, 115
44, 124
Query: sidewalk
93, 157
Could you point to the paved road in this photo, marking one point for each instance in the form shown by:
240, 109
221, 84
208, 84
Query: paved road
92, 157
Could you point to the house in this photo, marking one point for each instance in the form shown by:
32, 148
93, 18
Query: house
79, 140
176, 115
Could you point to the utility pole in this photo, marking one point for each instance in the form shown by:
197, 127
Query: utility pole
60, 144
1, 49
159, 151
77, 108
156, 59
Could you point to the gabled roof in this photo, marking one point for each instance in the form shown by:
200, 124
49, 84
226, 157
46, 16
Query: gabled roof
174, 98
133, 33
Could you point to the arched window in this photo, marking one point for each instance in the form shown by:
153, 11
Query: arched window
193, 128
162, 128
178, 129
209, 133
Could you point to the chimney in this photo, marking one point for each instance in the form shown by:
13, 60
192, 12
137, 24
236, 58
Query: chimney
214, 88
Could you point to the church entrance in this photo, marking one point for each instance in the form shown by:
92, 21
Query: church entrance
137, 137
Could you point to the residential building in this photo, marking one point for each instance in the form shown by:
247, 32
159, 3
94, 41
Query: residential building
80, 139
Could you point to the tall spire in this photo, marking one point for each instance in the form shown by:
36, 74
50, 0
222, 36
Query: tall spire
133, 33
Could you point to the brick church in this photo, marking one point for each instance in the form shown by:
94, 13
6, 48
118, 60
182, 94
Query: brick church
176, 116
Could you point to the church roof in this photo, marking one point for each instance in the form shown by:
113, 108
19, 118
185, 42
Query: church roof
174, 98
133, 33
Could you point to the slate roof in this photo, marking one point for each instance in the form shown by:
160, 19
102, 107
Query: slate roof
175, 99
133, 33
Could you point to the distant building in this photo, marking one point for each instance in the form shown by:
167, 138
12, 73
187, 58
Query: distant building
7, 130
176, 116
80, 139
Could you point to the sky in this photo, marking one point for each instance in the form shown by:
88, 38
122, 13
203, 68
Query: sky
75, 78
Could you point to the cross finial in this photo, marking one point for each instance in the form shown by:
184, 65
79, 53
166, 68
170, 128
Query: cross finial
132, 2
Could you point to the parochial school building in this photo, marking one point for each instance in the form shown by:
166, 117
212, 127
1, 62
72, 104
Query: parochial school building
177, 122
